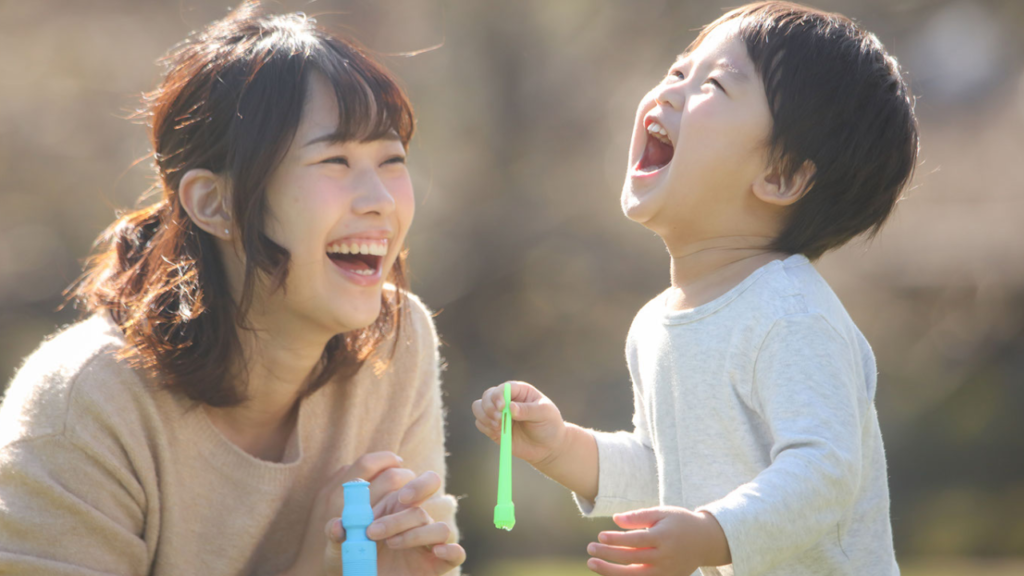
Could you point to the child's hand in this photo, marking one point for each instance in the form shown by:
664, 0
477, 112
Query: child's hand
663, 540
538, 431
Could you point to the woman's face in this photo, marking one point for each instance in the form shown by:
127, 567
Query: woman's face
342, 210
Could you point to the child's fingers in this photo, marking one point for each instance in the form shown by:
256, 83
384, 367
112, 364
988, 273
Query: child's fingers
394, 524
639, 518
533, 411
452, 554
494, 401
631, 539
606, 569
436, 533
489, 432
481, 416
620, 555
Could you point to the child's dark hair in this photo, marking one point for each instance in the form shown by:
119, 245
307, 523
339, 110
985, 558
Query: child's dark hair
230, 102
837, 99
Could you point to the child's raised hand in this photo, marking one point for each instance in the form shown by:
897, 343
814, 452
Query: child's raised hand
663, 540
538, 431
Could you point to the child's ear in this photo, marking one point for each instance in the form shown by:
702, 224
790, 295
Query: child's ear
204, 195
771, 187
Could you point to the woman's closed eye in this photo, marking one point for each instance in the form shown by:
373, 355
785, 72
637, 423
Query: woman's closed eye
342, 160
716, 83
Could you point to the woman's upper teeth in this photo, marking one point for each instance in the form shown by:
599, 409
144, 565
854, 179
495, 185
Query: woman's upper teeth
376, 247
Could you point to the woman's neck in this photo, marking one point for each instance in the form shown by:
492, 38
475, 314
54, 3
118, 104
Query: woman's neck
702, 271
278, 361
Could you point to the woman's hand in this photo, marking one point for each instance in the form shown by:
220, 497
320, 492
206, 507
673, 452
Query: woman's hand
413, 544
384, 473
538, 431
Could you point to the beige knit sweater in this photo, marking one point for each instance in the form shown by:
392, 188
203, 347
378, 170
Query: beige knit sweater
102, 474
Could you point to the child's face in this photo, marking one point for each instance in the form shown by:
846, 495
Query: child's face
328, 197
692, 181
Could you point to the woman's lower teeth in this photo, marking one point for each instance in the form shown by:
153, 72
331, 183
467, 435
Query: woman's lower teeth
367, 272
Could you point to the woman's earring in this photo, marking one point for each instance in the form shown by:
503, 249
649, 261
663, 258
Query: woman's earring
227, 232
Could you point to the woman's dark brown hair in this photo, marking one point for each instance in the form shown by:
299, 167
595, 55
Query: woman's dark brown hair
837, 99
230, 102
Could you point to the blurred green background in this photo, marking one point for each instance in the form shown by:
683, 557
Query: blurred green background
524, 117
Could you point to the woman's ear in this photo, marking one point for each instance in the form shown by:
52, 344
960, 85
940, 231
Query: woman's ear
771, 187
204, 195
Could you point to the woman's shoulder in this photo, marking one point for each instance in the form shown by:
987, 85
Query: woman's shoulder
74, 370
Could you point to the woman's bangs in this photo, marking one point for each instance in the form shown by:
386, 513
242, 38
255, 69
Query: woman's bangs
370, 104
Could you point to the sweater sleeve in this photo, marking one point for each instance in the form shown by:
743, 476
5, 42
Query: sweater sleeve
807, 389
423, 443
627, 469
66, 509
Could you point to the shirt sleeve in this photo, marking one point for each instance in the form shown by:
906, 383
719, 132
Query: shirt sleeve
808, 390
627, 469
67, 510
423, 443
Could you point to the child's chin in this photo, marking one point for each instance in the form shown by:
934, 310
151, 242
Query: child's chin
636, 208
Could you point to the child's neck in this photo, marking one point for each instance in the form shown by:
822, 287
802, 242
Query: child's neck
704, 270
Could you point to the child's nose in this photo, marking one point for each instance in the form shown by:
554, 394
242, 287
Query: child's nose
670, 95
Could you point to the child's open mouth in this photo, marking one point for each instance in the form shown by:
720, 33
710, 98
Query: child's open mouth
359, 257
658, 150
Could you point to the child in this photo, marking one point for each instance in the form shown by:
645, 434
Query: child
781, 133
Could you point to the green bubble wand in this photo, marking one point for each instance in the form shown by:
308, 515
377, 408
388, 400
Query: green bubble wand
505, 510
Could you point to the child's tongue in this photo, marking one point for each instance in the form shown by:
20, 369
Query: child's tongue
656, 154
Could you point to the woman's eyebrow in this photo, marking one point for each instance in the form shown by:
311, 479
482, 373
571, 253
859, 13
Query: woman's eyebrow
339, 138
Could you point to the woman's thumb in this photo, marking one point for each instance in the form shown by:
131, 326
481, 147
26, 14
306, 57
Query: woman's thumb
332, 552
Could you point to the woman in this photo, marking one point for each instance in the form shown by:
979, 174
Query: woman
251, 344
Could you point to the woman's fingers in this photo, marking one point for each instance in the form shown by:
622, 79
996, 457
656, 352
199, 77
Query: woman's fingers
369, 466
413, 493
420, 489
388, 481
332, 553
429, 535
452, 554
394, 524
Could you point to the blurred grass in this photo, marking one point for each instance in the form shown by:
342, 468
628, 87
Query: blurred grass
913, 567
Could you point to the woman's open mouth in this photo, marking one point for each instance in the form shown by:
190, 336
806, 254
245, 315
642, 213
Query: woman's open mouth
658, 150
360, 259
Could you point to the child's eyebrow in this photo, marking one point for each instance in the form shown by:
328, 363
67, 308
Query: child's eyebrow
731, 68
723, 64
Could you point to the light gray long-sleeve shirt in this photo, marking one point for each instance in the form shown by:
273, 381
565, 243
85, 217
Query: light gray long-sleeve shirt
759, 408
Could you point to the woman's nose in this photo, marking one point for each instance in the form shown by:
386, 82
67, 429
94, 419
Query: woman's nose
373, 197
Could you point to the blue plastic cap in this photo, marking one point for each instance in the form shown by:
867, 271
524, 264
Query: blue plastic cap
357, 512
358, 553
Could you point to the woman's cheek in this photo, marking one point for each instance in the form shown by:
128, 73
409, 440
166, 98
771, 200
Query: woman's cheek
405, 200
